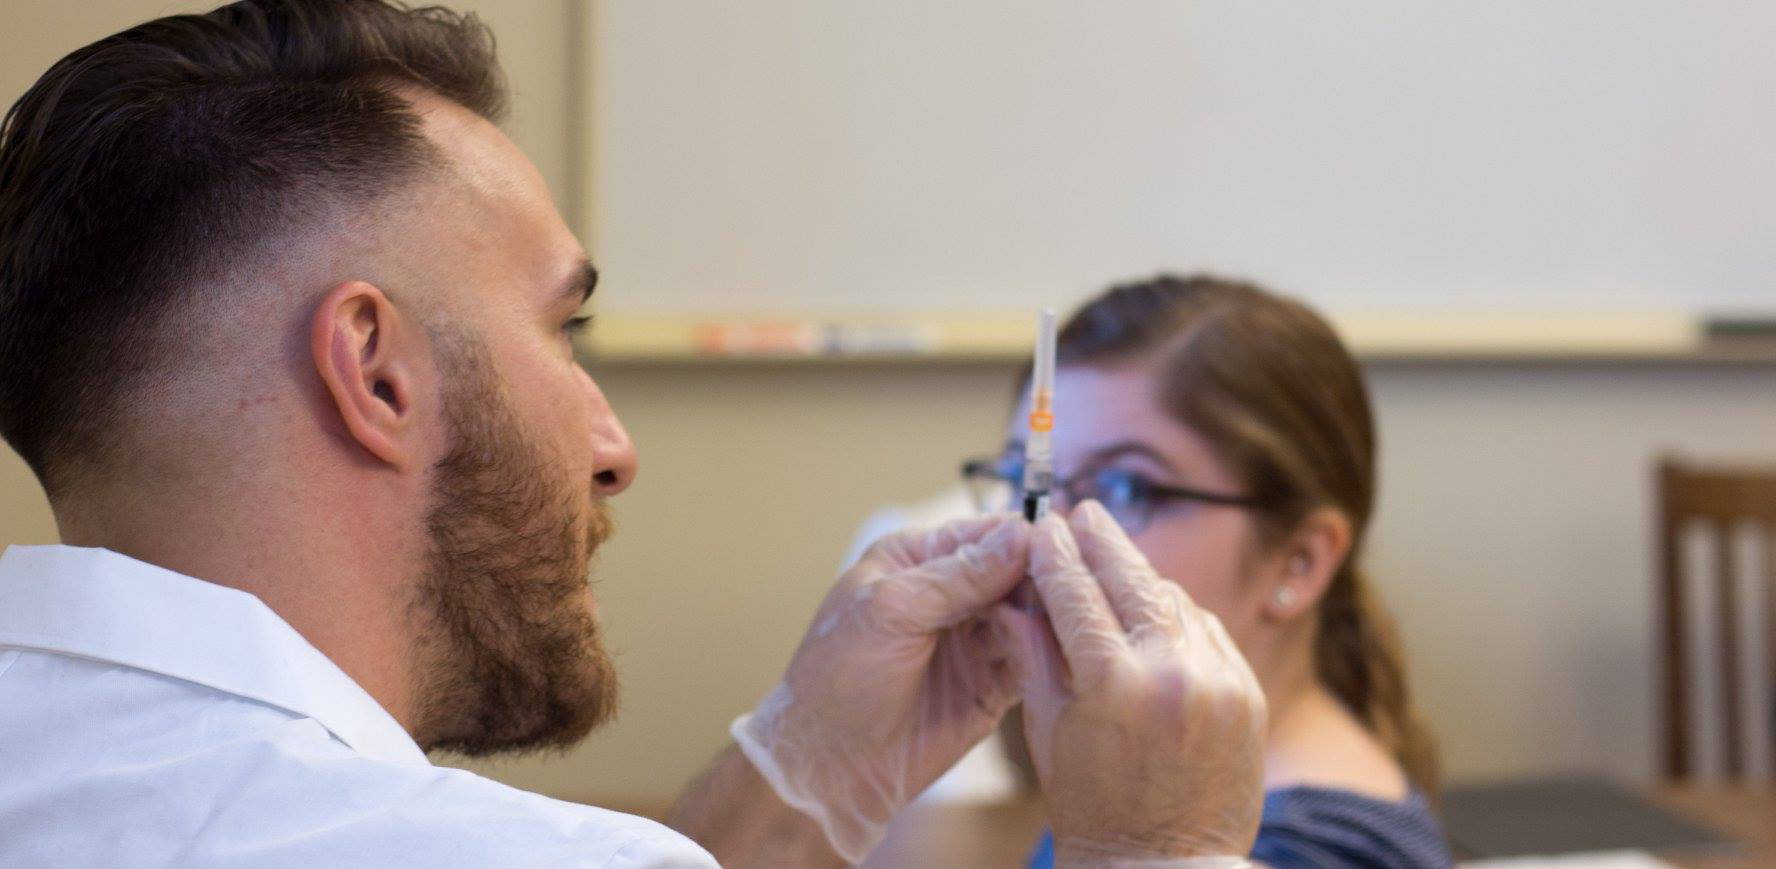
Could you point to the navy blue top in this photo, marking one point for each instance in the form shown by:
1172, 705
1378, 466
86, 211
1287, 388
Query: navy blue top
1323, 828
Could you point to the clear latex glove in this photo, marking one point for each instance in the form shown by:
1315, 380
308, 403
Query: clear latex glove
1144, 721
901, 673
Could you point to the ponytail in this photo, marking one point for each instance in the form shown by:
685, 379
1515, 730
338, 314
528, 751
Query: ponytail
1358, 656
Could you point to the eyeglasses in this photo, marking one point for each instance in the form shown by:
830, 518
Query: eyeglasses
996, 485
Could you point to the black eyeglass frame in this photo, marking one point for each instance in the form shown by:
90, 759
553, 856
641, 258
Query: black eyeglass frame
981, 468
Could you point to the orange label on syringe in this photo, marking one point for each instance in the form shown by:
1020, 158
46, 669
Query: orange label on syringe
1042, 416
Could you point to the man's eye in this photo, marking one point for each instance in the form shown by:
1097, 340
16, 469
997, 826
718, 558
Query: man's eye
577, 325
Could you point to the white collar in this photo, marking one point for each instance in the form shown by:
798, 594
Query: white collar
98, 604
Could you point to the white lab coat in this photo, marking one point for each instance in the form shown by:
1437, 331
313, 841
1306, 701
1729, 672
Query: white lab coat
149, 719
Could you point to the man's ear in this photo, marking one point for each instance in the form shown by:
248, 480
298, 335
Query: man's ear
1311, 558
366, 353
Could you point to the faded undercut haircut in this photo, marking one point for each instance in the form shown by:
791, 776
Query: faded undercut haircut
149, 164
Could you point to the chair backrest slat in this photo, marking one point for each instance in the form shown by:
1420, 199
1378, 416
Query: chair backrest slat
1726, 567
1768, 586
1720, 500
1676, 695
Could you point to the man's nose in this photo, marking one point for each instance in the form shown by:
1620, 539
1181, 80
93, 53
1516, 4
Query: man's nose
614, 461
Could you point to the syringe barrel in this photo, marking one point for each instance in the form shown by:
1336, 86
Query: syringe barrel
1039, 448
1042, 374
1038, 463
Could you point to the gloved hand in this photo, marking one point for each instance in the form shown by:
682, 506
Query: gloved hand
900, 674
1145, 723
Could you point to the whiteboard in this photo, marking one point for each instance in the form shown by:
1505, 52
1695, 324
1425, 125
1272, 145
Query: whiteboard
805, 155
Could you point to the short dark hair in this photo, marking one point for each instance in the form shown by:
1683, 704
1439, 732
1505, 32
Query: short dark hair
159, 158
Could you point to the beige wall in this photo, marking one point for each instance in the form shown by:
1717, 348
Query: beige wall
1514, 534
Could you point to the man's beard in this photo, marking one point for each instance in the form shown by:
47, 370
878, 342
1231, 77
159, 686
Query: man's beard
511, 657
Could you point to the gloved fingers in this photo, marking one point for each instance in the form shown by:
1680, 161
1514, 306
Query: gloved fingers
1041, 671
1029, 642
1232, 660
1090, 636
976, 668
915, 545
945, 538
1142, 601
948, 589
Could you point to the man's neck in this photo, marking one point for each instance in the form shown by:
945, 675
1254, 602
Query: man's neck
340, 582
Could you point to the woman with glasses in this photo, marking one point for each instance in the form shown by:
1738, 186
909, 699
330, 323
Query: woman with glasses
1229, 432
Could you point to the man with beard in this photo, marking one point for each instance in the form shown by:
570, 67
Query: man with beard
286, 334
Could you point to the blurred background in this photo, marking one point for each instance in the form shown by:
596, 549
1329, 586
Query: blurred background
824, 229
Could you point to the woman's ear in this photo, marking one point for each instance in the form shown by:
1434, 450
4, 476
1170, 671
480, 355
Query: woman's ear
1311, 558
367, 356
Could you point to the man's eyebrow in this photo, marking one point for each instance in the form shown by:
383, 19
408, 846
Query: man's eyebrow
582, 282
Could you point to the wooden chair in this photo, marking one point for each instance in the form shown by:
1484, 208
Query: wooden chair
1722, 500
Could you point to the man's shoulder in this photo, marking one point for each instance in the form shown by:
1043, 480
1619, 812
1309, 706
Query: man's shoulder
575, 834
114, 766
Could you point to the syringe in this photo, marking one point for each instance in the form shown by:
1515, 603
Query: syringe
1039, 447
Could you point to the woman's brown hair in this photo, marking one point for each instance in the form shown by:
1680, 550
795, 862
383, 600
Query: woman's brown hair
1266, 382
